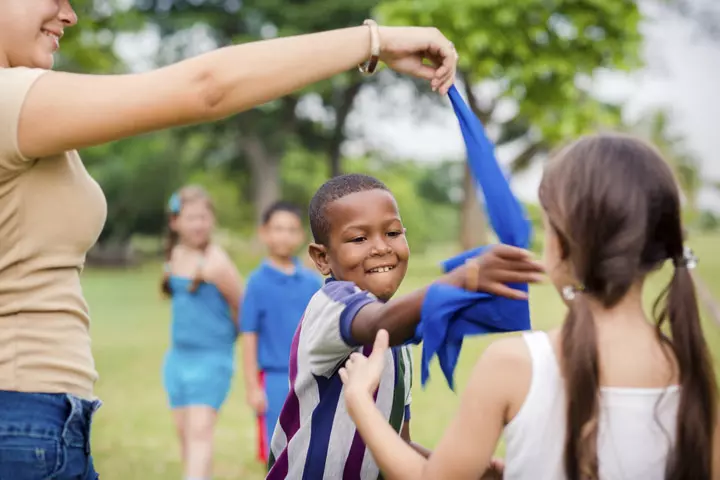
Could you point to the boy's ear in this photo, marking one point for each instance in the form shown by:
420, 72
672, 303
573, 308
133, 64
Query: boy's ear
318, 253
262, 233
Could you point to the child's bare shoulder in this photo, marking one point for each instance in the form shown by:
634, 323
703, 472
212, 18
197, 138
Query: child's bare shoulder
508, 350
217, 262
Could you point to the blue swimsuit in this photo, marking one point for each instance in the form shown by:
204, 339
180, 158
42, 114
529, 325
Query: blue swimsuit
201, 360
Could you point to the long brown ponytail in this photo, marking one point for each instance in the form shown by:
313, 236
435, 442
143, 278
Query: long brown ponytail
692, 457
582, 377
614, 205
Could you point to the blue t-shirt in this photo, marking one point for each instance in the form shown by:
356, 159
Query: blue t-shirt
273, 305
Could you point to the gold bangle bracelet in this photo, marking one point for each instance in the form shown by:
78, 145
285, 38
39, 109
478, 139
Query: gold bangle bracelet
369, 67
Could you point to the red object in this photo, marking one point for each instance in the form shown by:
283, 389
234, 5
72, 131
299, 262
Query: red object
263, 441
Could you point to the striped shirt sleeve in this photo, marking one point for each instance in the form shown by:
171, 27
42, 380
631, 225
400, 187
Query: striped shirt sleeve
408, 381
327, 325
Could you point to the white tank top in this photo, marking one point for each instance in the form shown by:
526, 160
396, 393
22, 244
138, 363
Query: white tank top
636, 430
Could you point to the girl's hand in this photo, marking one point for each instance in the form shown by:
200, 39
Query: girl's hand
405, 48
361, 375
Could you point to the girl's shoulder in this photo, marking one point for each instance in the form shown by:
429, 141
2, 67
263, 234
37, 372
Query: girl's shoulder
217, 258
218, 263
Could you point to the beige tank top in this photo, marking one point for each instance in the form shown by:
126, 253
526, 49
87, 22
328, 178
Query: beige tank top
51, 213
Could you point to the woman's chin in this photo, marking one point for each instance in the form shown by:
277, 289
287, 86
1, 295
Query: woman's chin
44, 60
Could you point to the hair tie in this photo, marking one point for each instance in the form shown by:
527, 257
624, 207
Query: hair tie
687, 260
174, 204
569, 292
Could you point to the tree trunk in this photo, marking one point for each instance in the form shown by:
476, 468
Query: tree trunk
473, 224
265, 169
342, 112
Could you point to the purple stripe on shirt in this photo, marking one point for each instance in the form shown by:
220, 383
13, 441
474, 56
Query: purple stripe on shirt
353, 463
279, 470
290, 414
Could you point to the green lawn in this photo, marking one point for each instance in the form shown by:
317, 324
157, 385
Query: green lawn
133, 436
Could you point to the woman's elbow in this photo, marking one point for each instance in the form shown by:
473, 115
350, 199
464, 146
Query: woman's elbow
209, 96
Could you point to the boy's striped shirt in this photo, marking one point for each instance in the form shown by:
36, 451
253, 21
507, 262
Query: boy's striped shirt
315, 437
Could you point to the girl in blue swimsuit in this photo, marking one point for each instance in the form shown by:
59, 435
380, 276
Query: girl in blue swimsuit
205, 290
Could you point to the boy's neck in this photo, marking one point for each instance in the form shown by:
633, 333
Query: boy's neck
285, 264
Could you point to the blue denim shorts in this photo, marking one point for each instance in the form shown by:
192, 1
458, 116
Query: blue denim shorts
45, 437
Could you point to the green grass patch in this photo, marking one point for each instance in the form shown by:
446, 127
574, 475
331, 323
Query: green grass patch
133, 434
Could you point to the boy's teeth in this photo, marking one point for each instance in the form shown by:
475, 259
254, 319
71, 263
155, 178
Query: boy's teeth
381, 269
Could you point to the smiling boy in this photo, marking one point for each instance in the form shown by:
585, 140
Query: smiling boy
360, 245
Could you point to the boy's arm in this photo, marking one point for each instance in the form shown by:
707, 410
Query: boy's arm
254, 393
490, 272
250, 327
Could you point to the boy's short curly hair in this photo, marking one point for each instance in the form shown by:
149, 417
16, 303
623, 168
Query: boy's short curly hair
335, 189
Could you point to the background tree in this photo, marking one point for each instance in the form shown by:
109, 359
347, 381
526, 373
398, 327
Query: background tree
538, 56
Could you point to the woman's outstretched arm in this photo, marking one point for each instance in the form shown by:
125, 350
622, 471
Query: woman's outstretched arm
66, 111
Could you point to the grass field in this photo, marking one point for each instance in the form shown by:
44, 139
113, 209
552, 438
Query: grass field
133, 436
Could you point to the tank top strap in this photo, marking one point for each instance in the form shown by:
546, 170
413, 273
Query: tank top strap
544, 362
546, 387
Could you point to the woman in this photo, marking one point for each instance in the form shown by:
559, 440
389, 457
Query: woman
608, 395
51, 211
205, 289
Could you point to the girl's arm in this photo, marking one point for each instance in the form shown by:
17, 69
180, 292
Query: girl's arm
221, 272
405, 435
467, 446
65, 111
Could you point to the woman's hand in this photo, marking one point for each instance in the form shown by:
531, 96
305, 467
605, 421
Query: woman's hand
405, 48
361, 375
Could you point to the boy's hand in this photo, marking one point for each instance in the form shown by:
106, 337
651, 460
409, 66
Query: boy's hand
361, 375
257, 401
496, 267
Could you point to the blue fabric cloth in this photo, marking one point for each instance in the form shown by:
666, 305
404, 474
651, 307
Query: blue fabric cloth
449, 313
273, 306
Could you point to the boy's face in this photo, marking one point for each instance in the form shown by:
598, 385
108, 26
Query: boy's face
366, 244
283, 234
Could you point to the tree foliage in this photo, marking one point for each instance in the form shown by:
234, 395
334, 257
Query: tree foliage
538, 57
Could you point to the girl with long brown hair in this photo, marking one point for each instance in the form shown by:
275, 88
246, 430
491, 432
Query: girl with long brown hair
614, 393
205, 289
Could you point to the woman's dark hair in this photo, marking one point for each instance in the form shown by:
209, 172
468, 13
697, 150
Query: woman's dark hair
188, 194
615, 206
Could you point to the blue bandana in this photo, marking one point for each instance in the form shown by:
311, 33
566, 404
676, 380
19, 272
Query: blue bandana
450, 313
